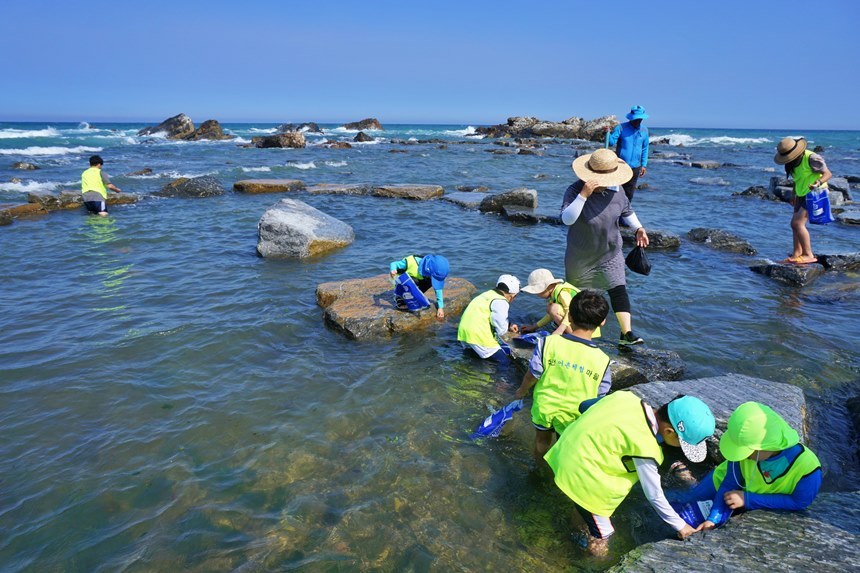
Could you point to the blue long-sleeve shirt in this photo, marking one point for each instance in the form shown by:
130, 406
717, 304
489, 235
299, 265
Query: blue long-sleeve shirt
399, 266
632, 144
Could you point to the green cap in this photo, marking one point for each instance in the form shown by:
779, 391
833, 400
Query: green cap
753, 426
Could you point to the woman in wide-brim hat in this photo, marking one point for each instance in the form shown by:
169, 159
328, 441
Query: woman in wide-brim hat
591, 209
809, 172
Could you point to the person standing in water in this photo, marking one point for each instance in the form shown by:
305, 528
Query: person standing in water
94, 186
631, 145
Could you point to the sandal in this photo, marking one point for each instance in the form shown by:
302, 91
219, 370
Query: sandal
802, 261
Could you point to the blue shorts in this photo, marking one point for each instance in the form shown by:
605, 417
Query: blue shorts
95, 206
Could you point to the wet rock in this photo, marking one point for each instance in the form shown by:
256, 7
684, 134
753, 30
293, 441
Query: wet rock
822, 538
23, 165
848, 216
205, 186
473, 188
572, 128
339, 189
23, 210
338, 145
837, 199
292, 139
641, 186
843, 262
292, 228
519, 214
662, 240
520, 197
818, 149
842, 186
499, 152
362, 137
364, 124
706, 164
794, 275
757, 191
256, 186
5, 218
364, 308
308, 126
209, 129
463, 199
525, 151
782, 188
721, 240
176, 127
144, 171
414, 192
723, 394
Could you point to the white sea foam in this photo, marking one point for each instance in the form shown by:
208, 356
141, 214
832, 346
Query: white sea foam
710, 181
34, 151
690, 141
31, 186
262, 130
172, 174
462, 132
412, 139
251, 169
297, 165
769, 169
24, 133
83, 125
336, 163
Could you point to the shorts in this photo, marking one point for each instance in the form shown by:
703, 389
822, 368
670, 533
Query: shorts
95, 206
598, 525
799, 203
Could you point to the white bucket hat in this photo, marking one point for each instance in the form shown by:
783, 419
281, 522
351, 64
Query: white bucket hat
539, 281
603, 167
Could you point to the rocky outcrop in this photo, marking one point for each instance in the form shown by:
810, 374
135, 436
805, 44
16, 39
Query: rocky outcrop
9, 212
843, 262
782, 188
364, 124
822, 538
176, 127
414, 192
723, 394
292, 139
794, 275
5, 218
721, 240
339, 189
842, 186
256, 186
572, 128
292, 228
848, 216
364, 308
657, 240
309, 127
520, 197
463, 199
74, 200
706, 164
362, 137
757, 191
23, 165
144, 171
338, 145
205, 186
473, 188
209, 129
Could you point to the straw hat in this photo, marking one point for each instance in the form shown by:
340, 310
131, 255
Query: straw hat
789, 149
539, 281
603, 167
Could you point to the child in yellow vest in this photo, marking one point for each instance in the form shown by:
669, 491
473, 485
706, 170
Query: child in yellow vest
558, 293
94, 186
567, 369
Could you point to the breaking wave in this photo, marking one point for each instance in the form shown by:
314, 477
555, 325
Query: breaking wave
37, 151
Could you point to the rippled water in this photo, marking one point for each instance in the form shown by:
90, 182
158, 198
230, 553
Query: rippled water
170, 401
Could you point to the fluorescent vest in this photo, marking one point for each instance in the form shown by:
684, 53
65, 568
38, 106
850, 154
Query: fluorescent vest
754, 481
593, 458
572, 372
572, 290
91, 180
475, 324
804, 176
412, 267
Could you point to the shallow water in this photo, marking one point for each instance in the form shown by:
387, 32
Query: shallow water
172, 401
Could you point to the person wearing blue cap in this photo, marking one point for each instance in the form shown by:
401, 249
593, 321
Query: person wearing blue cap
618, 442
631, 141
427, 271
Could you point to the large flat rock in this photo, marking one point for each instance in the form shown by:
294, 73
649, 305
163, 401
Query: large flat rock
464, 199
339, 189
406, 191
364, 308
663, 240
256, 186
74, 200
825, 537
721, 240
725, 393
520, 197
794, 275
292, 228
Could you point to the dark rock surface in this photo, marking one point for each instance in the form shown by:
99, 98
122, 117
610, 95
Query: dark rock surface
364, 124
662, 240
706, 164
339, 189
782, 188
721, 240
255, 186
205, 186
757, 191
144, 171
841, 186
176, 127
520, 197
292, 228
8, 212
209, 129
794, 275
408, 191
848, 216
362, 137
291, 139
825, 537
24, 166
572, 128
473, 188
74, 200
463, 199
843, 262
308, 126
364, 308
5, 218
338, 145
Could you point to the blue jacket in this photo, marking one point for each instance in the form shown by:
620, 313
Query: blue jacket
632, 144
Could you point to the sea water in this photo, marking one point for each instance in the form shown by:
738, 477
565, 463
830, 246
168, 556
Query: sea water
171, 401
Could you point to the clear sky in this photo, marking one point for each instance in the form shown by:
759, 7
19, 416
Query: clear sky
759, 64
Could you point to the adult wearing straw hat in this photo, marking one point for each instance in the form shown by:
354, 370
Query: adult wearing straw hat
809, 172
631, 144
591, 209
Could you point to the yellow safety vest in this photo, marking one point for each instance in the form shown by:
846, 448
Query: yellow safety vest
593, 458
572, 372
804, 176
569, 288
412, 267
754, 481
476, 326
91, 180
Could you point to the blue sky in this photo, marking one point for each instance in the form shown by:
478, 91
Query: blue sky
787, 64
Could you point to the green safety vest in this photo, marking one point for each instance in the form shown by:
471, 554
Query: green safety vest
572, 372
91, 180
593, 458
475, 324
754, 481
569, 288
412, 267
804, 176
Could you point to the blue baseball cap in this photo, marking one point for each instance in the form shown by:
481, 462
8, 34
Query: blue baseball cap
637, 112
694, 423
437, 268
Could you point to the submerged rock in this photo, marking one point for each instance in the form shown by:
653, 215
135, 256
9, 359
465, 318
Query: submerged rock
364, 308
822, 538
339, 189
205, 186
292, 139
176, 127
364, 124
662, 240
794, 275
256, 186
463, 199
721, 240
144, 171
24, 166
292, 228
407, 191
520, 197
5, 218
473, 188
362, 137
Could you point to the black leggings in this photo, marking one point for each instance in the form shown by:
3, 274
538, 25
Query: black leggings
618, 299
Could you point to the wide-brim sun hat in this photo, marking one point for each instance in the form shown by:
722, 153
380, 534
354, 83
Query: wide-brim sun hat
754, 426
694, 423
539, 281
789, 149
510, 281
637, 112
602, 167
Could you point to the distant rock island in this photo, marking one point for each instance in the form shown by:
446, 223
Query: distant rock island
571, 128
181, 127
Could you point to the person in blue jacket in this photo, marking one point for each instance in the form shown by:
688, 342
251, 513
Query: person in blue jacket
427, 271
631, 141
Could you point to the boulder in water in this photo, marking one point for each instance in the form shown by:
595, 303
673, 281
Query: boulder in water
473, 188
339, 189
520, 197
843, 262
794, 275
463, 199
292, 228
292, 139
308, 126
24, 166
362, 137
209, 129
408, 191
757, 191
848, 216
256, 186
8, 212
338, 145
176, 127
205, 186
5, 218
721, 240
364, 124
144, 171
663, 240
364, 308
706, 164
